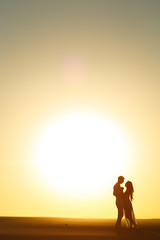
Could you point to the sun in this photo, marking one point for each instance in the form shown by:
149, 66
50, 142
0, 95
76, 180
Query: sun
80, 153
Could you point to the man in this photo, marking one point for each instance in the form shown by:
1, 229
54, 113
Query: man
118, 193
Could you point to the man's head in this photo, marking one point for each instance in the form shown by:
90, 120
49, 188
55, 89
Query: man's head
120, 179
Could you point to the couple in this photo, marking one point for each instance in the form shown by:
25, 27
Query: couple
124, 203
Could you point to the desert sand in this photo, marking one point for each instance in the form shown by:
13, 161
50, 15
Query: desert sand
70, 228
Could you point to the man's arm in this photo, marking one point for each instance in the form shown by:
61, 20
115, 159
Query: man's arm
114, 191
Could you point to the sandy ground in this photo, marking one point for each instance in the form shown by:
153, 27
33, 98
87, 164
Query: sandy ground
65, 228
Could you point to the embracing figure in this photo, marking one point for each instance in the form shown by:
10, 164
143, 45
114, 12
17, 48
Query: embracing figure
124, 203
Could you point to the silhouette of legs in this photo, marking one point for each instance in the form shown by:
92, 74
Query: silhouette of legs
119, 205
130, 217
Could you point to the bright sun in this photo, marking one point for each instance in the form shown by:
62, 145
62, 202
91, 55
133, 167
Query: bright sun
80, 154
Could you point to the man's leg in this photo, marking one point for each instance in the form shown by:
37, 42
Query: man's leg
120, 213
120, 216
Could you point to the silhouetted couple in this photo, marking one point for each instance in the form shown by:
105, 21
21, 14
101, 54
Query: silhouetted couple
124, 203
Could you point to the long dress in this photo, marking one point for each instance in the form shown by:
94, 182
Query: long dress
128, 210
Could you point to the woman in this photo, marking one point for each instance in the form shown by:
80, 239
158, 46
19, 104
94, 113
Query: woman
128, 209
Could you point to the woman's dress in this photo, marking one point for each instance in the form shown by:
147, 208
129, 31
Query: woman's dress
128, 210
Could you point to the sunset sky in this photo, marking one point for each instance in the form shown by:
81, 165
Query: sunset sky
70, 67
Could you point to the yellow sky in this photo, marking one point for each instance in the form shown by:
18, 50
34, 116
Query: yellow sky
58, 57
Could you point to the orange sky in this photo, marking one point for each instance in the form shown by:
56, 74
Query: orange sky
58, 57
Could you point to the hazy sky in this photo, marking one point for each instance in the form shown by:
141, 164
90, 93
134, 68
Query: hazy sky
60, 56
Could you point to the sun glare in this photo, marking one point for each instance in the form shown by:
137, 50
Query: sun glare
79, 154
